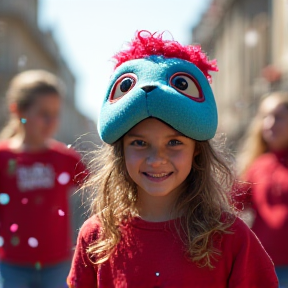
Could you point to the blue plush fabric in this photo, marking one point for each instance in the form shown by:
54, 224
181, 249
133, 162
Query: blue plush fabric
197, 120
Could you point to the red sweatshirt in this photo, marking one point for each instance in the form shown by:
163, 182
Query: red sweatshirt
34, 206
269, 197
152, 255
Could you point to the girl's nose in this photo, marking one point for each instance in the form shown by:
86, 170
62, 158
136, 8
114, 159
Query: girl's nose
156, 158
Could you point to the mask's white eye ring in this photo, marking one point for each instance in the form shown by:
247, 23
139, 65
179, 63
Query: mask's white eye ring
122, 86
187, 85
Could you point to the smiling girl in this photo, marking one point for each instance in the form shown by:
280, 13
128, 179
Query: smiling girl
160, 213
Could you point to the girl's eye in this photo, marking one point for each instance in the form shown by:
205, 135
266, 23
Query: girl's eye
122, 86
138, 143
185, 84
174, 142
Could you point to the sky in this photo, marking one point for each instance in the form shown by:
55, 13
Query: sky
90, 32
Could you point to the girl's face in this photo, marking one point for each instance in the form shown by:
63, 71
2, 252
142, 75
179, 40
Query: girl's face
274, 124
42, 118
158, 158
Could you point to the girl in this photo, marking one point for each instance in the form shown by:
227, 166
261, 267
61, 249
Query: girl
264, 161
160, 215
36, 174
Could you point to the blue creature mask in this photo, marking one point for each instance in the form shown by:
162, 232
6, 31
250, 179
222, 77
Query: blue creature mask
170, 89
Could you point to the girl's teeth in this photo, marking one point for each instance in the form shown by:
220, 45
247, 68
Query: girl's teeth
157, 175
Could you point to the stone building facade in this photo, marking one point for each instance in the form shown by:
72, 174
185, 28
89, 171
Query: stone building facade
24, 46
249, 39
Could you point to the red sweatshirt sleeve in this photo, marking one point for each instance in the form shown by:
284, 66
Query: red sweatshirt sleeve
252, 267
83, 272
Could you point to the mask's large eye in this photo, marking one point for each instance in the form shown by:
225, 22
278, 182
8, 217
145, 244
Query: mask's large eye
122, 86
187, 85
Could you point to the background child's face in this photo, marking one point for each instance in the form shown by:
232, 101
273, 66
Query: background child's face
275, 124
158, 158
42, 118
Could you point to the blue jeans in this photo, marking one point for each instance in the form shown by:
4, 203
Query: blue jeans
282, 274
16, 276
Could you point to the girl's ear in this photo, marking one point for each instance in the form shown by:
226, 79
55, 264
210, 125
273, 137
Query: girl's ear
13, 108
196, 150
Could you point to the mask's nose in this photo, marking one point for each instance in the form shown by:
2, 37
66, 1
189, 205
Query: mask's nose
148, 88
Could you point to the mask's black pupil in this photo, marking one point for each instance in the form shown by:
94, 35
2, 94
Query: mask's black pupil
181, 83
126, 84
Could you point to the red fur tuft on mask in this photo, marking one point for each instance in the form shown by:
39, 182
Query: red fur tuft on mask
146, 44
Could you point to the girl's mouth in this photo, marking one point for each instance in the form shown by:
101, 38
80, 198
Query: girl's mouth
157, 177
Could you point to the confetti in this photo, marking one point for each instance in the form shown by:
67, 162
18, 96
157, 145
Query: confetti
1, 241
24, 201
4, 198
11, 166
15, 241
63, 178
32, 242
61, 212
14, 227
38, 266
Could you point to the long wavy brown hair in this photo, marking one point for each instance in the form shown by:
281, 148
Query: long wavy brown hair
253, 144
203, 201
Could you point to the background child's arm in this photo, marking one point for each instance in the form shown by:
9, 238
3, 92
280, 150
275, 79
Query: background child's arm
83, 273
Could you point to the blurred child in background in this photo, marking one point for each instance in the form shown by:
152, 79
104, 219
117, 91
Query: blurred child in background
160, 212
263, 162
36, 176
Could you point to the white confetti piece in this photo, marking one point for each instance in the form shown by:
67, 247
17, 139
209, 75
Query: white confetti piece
63, 178
61, 212
32, 242
1, 241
